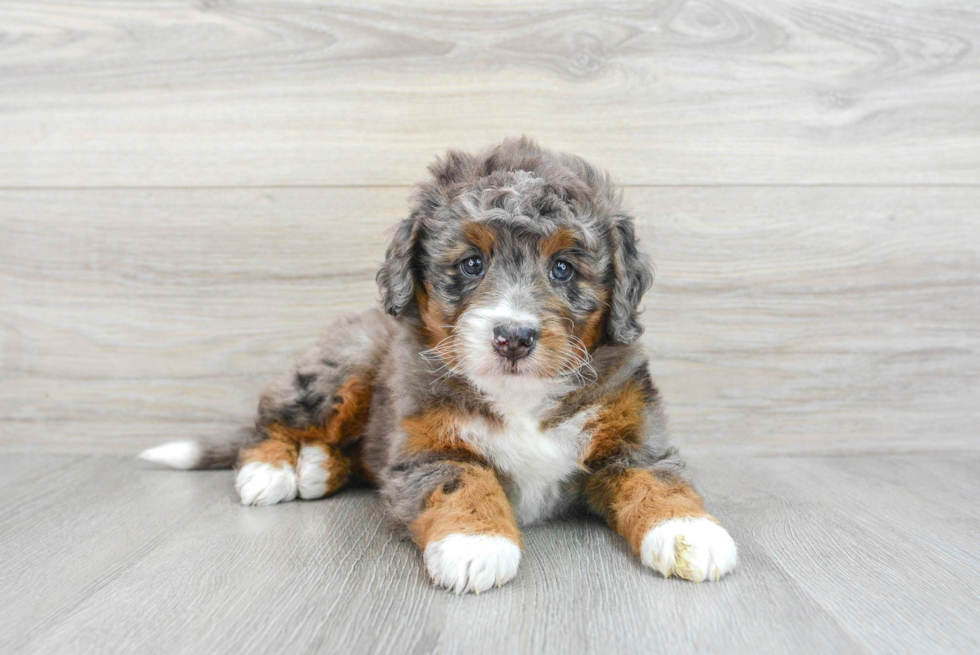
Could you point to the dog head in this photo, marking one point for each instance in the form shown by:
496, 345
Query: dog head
516, 262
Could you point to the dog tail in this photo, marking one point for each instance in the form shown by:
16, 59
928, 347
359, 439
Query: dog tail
216, 452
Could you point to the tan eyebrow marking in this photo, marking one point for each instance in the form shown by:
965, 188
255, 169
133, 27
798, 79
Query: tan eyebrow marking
480, 236
557, 241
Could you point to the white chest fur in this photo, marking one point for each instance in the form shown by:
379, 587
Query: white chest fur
535, 462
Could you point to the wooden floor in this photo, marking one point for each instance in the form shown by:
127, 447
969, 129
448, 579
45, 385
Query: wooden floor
837, 554
190, 190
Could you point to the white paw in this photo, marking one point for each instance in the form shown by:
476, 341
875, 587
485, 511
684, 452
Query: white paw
472, 562
259, 483
311, 472
693, 549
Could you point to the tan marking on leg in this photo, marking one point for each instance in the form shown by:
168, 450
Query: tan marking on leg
635, 500
339, 467
617, 425
352, 411
346, 423
275, 450
437, 431
474, 503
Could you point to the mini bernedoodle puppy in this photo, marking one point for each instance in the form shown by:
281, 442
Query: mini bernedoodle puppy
501, 386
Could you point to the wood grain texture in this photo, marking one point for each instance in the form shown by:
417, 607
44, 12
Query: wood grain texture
847, 539
69, 530
835, 556
782, 319
300, 93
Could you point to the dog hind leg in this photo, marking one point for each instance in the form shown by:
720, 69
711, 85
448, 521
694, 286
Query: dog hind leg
306, 438
312, 418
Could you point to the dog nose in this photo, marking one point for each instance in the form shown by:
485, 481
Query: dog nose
514, 342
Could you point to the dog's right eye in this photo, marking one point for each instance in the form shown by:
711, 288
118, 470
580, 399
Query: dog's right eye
471, 266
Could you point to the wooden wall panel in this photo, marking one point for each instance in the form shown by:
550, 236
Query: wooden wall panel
783, 319
129, 93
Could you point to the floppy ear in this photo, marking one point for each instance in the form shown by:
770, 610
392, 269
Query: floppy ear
396, 278
633, 275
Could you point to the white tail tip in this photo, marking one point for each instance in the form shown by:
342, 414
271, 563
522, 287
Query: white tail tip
175, 454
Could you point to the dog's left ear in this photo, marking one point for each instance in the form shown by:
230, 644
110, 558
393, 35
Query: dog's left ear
396, 277
633, 275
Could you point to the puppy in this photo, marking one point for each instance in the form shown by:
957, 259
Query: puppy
501, 386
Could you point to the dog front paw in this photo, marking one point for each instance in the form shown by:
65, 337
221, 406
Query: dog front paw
695, 549
472, 562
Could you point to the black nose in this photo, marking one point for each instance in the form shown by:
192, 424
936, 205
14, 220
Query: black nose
514, 342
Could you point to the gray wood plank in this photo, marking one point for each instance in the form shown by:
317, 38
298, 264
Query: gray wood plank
67, 532
17, 469
952, 485
782, 319
250, 93
899, 572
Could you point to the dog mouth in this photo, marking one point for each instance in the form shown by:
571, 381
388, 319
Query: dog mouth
514, 366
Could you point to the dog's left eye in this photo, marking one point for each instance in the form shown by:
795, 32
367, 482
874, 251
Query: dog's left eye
561, 271
472, 266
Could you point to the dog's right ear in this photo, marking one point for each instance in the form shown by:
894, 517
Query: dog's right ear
403, 259
396, 278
